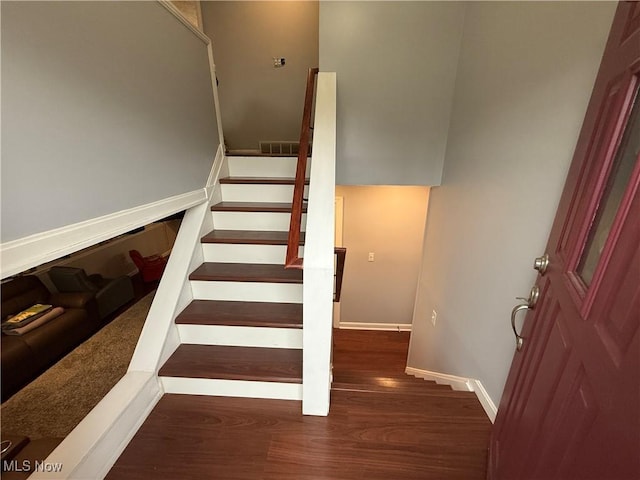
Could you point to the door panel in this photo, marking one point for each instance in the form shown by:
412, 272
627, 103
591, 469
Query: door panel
571, 405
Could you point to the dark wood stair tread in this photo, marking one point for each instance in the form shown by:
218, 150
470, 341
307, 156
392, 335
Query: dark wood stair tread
247, 314
246, 272
260, 181
272, 207
361, 381
249, 237
235, 363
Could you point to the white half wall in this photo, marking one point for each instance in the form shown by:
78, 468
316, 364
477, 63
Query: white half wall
106, 107
524, 81
396, 66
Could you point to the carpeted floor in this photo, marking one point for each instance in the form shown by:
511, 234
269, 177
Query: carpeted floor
54, 403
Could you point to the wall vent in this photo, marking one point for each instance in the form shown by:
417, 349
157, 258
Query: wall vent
280, 148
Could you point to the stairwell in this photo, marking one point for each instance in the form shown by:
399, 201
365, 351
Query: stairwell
228, 319
241, 335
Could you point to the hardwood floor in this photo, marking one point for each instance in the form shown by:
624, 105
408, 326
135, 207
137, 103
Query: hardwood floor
383, 424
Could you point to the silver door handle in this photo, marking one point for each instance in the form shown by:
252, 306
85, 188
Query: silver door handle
514, 312
531, 302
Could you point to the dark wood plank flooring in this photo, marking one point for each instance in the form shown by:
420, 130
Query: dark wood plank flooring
391, 434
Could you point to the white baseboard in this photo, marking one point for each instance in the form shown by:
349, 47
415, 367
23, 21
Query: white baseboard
92, 448
392, 327
455, 382
216, 167
24, 253
485, 400
459, 383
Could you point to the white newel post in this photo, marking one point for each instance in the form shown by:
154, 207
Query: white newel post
318, 254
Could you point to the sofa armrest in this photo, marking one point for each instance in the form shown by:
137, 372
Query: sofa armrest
84, 300
72, 299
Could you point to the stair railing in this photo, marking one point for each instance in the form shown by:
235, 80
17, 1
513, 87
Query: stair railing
318, 286
293, 260
341, 254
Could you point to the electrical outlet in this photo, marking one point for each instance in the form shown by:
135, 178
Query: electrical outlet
372, 256
434, 317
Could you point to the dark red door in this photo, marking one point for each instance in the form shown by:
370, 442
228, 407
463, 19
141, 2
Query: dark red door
571, 406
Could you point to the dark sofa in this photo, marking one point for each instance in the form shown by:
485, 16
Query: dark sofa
25, 356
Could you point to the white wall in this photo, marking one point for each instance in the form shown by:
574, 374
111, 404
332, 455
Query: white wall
389, 222
396, 64
106, 106
524, 80
260, 102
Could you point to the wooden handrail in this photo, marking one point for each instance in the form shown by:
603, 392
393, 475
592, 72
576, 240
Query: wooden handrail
341, 254
292, 259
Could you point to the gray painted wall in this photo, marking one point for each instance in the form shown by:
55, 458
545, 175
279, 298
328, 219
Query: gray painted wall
396, 66
524, 80
105, 106
257, 101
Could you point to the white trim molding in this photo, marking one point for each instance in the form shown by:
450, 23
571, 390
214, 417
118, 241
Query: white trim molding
457, 383
391, 327
24, 253
216, 167
92, 448
485, 400
461, 384
185, 21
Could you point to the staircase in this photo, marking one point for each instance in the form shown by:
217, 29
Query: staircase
241, 335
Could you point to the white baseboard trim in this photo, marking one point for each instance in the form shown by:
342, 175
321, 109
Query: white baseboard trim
485, 400
24, 253
457, 383
93, 447
215, 167
392, 327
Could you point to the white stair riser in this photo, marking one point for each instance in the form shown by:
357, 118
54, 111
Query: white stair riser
257, 221
232, 388
247, 291
258, 193
263, 166
232, 253
241, 336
